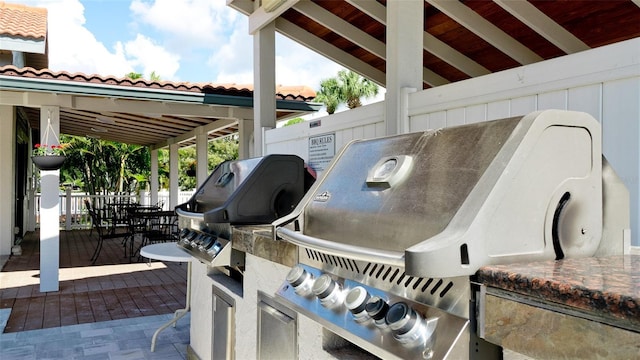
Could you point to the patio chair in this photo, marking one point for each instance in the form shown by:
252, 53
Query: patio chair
105, 234
162, 227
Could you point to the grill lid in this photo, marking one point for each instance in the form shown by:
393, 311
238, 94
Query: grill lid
241, 192
443, 203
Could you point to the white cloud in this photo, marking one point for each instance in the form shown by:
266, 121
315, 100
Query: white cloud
297, 65
72, 47
187, 23
144, 53
181, 40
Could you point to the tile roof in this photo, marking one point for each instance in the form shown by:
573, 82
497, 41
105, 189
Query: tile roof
295, 93
23, 21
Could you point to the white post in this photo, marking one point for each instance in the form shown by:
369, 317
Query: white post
264, 78
245, 133
153, 182
405, 32
173, 176
68, 210
49, 207
7, 178
202, 150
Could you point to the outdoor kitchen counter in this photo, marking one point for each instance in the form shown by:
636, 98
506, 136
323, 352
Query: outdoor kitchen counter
538, 308
258, 241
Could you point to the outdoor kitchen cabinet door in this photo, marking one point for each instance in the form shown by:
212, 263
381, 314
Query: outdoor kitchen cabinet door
223, 326
277, 331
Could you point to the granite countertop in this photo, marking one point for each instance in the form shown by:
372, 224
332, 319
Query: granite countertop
608, 287
258, 240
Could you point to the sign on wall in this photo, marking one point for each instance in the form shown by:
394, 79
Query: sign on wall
322, 149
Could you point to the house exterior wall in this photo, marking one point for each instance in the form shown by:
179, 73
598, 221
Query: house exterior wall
7, 178
604, 82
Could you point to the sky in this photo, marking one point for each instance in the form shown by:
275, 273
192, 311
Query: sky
198, 41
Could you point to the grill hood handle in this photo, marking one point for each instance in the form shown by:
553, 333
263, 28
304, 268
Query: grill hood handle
393, 258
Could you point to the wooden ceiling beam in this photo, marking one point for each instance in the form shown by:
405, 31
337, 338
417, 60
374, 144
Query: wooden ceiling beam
431, 44
341, 27
480, 26
329, 51
543, 25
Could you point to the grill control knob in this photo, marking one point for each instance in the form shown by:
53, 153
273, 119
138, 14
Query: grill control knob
356, 301
301, 280
215, 248
377, 309
327, 291
408, 326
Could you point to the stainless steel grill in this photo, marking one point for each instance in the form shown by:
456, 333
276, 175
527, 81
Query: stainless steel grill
241, 192
392, 234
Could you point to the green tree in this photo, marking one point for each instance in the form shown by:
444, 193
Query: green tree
354, 87
134, 75
294, 121
100, 166
346, 88
329, 94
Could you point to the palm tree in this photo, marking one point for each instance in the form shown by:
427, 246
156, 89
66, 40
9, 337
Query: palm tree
354, 87
329, 94
348, 87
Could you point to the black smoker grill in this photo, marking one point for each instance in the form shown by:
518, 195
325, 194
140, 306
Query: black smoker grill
392, 234
242, 192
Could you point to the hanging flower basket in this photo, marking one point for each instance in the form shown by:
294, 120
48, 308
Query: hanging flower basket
48, 162
49, 157
191, 173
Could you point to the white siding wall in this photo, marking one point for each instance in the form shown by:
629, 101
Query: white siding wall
604, 82
362, 123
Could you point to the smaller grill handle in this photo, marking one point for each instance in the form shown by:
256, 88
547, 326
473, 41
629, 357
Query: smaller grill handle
190, 215
393, 258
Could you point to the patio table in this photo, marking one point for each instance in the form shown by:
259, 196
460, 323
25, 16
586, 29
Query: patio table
170, 252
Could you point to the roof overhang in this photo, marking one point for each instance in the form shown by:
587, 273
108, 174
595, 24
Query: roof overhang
137, 115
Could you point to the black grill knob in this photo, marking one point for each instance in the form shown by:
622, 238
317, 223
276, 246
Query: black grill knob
407, 325
377, 308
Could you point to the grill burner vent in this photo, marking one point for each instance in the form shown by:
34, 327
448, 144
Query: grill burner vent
390, 275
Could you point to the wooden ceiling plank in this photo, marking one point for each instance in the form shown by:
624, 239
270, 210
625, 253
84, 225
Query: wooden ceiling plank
90, 118
487, 31
372, 8
149, 107
321, 47
432, 78
128, 125
214, 126
452, 56
430, 43
341, 27
543, 25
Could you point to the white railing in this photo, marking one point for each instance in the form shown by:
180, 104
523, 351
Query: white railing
74, 214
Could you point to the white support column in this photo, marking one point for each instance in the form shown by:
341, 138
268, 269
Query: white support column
153, 182
7, 178
49, 206
68, 208
173, 176
405, 28
202, 150
245, 131
264, 75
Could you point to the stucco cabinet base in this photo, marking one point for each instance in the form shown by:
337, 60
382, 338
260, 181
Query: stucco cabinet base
262, 278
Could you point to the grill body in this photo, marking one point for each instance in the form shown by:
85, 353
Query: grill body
404, 222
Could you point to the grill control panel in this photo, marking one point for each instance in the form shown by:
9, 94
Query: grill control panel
382, 323
203, 246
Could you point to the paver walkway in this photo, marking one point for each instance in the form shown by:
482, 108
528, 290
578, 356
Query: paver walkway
113, 296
